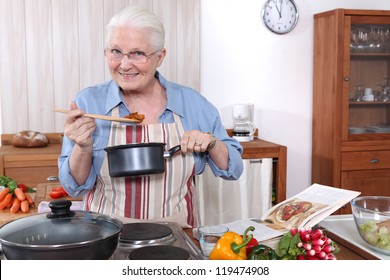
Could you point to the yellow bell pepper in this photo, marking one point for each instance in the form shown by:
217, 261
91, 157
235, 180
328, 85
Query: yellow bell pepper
231, 246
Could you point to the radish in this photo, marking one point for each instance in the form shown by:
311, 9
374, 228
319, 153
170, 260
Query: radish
317, 234
294, 231
310, 253
317, 248
307, 246
318, 242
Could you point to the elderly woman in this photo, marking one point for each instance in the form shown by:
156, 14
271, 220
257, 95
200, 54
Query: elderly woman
174, 114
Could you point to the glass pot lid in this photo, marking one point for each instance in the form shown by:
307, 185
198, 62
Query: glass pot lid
61, 226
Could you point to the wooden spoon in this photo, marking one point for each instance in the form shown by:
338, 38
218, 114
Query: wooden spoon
102, 117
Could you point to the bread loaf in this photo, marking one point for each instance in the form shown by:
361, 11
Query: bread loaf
30, 139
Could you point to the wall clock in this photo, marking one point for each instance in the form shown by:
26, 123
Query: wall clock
280, 16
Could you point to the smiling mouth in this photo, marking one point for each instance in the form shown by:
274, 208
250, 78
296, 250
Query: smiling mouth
128, 76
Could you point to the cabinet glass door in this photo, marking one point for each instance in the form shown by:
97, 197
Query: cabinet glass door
369, 92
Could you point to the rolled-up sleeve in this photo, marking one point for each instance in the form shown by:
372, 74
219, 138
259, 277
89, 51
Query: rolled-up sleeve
235, 167
66, 178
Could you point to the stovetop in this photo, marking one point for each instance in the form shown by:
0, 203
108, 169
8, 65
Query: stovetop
176, 238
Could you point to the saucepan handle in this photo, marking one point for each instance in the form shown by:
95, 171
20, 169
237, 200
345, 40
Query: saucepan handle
172, 151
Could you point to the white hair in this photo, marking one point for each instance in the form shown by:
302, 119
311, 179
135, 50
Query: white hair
139, 17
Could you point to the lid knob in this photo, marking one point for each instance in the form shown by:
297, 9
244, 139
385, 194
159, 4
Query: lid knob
60, 208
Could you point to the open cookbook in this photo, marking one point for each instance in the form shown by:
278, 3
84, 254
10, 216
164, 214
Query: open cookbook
303, 210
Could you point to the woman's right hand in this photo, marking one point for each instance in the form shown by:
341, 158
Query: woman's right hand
79, 129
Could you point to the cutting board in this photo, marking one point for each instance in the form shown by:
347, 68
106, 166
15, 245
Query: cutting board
42, 194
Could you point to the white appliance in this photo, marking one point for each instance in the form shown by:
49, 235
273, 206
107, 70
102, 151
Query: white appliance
243, 126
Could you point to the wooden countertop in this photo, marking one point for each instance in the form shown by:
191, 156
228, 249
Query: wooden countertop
42, 194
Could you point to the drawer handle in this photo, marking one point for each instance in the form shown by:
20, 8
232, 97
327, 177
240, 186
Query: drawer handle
52, 178
374, 160
256, 160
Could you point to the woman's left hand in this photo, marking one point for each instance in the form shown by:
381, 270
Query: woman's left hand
196, 141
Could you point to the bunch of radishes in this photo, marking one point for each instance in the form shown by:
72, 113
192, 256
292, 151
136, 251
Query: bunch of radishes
314, 245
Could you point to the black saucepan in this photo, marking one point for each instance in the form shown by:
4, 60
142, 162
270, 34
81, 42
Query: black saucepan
138, 159
62, 234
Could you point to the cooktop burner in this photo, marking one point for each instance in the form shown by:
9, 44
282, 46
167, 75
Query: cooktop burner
141, 239
162, 252
144, 233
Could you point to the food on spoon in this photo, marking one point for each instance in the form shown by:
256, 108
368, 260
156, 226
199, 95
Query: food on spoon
136, 116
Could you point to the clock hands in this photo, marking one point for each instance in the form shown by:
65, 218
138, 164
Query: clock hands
279, 11
281, 8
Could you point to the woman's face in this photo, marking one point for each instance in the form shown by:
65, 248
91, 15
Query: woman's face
131, 76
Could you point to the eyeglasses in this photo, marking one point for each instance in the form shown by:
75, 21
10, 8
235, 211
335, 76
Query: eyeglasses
134, 56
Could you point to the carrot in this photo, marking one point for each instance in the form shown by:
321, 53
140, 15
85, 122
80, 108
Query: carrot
15, 206
19, 194
3, 193
25, 206
5, 201
9, 205
29, 199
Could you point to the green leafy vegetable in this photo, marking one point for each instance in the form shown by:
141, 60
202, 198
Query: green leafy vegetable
11, 184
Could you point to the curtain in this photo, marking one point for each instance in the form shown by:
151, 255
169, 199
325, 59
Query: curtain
222, 201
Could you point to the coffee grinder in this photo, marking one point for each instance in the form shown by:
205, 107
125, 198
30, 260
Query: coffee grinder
243, 127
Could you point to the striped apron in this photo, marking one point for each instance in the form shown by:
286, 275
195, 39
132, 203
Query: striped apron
168, 196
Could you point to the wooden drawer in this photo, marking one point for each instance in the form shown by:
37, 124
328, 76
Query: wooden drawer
32, 176
365, 160
368, 182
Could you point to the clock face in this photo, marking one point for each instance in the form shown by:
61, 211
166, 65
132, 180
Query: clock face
280, 16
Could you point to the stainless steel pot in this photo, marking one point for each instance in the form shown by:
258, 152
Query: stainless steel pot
61, 235
138, 159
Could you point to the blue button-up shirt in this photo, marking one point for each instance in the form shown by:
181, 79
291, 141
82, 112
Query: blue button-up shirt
194, 110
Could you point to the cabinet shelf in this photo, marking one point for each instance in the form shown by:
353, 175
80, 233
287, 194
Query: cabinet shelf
369, 54
368, 103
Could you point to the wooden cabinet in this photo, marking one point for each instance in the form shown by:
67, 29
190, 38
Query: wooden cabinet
351, 133
30, 166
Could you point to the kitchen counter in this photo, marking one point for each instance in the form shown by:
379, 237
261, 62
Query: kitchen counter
41, 194
342, 230
347, 250
350, 249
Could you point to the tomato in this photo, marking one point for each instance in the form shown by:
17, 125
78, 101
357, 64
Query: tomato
58, 192
60, 189
22, 187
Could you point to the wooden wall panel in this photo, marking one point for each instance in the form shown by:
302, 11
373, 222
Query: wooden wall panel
51, 49
65, 56
13, 66
169, 17
91, 36
188, 52
39, 62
